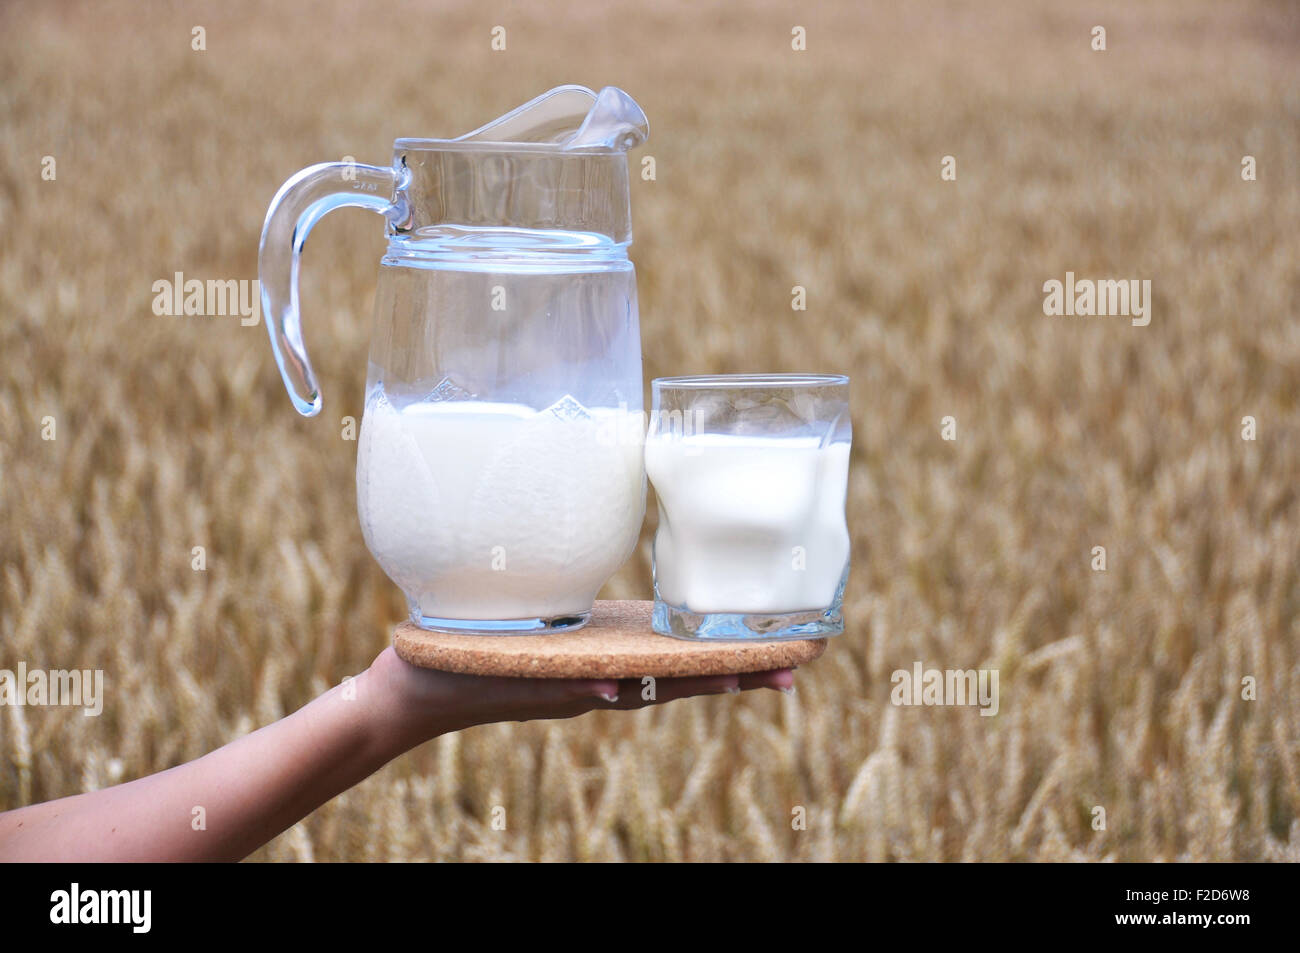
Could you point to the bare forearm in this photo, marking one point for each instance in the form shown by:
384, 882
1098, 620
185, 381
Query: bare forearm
224, 805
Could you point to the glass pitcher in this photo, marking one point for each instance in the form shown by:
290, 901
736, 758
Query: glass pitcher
500, 479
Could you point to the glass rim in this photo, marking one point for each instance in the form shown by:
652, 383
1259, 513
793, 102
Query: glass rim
735, 381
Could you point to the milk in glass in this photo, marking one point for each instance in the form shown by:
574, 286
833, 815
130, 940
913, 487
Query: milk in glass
749, 524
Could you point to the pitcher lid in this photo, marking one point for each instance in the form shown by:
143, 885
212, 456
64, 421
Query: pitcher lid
566, 118
558, 163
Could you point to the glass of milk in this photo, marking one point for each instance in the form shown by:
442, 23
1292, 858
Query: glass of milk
751, 472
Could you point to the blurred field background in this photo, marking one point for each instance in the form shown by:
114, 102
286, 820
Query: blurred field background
776, 168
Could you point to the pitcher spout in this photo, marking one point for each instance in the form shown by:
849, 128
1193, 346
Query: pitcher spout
614, 121
570, 117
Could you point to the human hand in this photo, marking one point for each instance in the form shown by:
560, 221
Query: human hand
419, 703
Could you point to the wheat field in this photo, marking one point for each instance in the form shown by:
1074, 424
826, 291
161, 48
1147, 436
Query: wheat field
821, 168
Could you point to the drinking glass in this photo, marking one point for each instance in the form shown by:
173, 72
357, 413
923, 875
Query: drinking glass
751, 473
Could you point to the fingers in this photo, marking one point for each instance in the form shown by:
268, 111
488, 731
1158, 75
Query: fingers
639, 693
636, 693
425, 702
781, 679
540, 692
479, 700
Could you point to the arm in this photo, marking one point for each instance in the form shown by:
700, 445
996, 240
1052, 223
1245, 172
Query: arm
258, 786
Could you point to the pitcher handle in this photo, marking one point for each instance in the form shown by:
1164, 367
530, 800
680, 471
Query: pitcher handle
297, 207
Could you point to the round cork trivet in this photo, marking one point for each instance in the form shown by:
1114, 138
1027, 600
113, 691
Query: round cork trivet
617, 643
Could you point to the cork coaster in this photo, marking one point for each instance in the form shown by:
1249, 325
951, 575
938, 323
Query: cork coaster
617, 643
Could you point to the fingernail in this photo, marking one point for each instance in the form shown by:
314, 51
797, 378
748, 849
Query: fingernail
608, 697
788, 690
